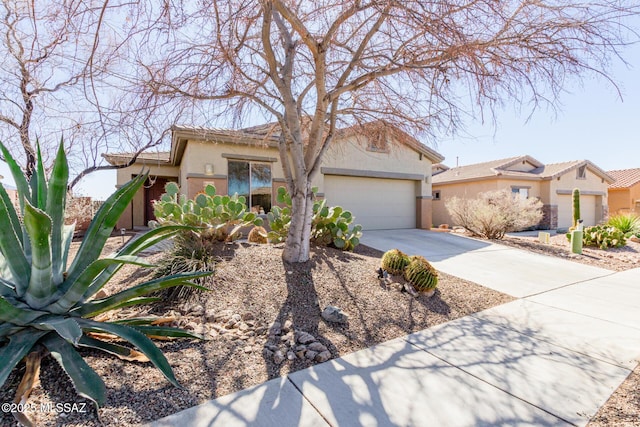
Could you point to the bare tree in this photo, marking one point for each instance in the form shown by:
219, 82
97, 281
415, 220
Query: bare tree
66, 72
316, 66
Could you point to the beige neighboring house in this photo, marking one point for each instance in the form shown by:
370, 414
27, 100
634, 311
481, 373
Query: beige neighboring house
527, 177
12, 192
383, 175
624, 193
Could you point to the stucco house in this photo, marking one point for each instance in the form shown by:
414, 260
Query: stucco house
380, 173
624, 193
527, 177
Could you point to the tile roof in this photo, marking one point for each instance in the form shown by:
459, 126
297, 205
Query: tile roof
624, 178
502, 167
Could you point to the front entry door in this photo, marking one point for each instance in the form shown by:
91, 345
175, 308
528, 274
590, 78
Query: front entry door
152, 191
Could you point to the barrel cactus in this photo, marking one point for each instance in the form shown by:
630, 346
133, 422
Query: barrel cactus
257, 235
422, 275
394, 261
49, 305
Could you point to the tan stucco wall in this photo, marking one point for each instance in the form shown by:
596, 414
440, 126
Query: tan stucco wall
568, 182
619, 201
352, 153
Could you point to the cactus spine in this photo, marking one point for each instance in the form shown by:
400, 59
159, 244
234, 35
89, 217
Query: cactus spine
422, 275
394, 261
576, 206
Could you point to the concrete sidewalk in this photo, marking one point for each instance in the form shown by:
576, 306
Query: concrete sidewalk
551, 359
506, 269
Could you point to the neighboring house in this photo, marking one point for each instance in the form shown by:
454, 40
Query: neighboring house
624, 193
378, 172
527, 177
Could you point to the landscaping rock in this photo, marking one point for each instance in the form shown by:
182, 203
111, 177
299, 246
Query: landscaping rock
288, 326
248, 316
334, 315
278, 357
408, 288
291, 355
323, 356
316, 346
275, 328
310, 354
305, 338
210, 315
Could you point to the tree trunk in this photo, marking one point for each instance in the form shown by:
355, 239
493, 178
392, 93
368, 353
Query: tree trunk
298, 240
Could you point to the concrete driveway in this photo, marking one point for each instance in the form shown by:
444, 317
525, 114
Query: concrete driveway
512, 271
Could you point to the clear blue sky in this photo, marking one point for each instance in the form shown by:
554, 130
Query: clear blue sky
592, 123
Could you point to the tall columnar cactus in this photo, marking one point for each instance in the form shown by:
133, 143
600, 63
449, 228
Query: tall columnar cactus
421, 274
394, 261
48, 304
576, 206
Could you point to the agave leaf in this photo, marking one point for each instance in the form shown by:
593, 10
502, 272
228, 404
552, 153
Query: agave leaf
19, 345
93, 308
18, 316
152, 320
41, 286
124, 353
127, 303
166, 331
6, 288
67, 238
11, 248
56, 202
9, 329
18, 176
73, 291
101, 226
134, 247
138, 339
39, 182
13, 216
67, 327
85, 380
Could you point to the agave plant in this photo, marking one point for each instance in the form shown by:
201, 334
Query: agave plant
48, 304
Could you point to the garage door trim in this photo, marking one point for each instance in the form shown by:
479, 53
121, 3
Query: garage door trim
372, 174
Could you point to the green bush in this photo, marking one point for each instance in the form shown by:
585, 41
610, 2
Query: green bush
603, 236
629, 224
394, 261
329, 225
421, 274
46, 302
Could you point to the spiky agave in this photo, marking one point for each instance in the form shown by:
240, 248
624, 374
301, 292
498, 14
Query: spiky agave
47, 307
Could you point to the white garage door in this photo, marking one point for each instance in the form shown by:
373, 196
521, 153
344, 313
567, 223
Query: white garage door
378, 204
565, 210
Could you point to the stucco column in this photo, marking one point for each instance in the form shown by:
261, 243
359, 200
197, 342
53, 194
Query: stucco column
424, 219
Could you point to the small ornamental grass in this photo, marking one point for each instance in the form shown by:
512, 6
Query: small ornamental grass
48, 305
628, 224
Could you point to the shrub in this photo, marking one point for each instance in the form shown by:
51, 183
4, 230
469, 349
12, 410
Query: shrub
258, 235
421, 274
329, 225
394, 261
46, 303
629, 224
494, 213
603, 236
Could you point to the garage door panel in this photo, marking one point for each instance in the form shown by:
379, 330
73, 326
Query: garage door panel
377, 203
565, 210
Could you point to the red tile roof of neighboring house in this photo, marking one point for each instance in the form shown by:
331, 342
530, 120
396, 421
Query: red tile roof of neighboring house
502, 167
624, 178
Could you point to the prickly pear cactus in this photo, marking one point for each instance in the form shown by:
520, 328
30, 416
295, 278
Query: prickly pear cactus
422, 275
220, 217
394, 261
